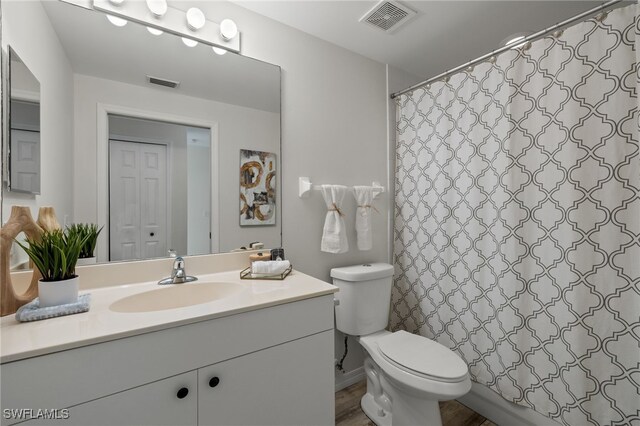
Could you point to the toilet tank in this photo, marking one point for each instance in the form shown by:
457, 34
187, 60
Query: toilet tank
364, 297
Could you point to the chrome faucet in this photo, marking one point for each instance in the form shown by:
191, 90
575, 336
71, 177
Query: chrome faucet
178, 274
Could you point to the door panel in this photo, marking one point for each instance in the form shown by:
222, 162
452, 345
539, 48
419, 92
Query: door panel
154, 404
25, 161
154, 200
137, 200
282, 385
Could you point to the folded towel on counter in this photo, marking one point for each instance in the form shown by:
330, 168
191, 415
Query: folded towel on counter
33, 312
334, 233
364, 198
269, 267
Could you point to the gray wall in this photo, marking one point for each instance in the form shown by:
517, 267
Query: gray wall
334, 130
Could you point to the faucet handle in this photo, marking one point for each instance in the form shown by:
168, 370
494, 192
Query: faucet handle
178, 262
172, 253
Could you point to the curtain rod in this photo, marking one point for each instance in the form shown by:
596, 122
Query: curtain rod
505, 48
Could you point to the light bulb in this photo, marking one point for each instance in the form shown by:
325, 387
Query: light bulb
118, 22
157, 7
154, 31
219, 51
116, 2
189, 42
195, 19
228, 29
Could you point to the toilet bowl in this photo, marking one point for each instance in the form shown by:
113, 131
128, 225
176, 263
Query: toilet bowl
406, 374
415, 374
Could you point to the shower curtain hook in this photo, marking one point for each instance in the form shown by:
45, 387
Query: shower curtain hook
601, 17
558, 34
492, 59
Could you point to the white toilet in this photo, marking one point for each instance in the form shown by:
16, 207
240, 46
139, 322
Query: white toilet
406, 374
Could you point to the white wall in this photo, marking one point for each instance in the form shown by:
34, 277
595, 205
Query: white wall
26, 28
238, 127
334, 130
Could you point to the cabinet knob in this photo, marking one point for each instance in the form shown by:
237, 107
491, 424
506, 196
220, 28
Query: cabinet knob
182, 393
214, 382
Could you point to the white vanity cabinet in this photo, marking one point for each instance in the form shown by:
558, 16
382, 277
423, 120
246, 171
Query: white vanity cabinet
275, 386
271, 366
169, 402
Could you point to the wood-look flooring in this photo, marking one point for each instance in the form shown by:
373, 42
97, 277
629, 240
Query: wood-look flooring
349, 413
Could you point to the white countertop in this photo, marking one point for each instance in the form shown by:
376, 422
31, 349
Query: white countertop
100, 324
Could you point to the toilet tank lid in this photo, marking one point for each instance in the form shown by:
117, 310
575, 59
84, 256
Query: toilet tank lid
365, 272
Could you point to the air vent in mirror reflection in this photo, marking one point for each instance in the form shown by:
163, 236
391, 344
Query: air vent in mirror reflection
163, 82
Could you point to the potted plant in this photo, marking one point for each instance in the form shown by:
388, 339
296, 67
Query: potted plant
55, 255
88, 232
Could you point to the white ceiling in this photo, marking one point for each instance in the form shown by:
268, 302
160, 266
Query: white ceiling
443, 35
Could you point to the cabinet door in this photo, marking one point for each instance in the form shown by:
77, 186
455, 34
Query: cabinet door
288, 384
171, 402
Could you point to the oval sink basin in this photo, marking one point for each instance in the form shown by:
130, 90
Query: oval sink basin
175, 296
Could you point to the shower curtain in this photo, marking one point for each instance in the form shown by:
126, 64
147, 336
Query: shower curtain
517, 221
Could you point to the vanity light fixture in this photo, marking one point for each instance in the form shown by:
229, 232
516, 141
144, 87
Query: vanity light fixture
228, 29
189, 42
157, 7
160, 17
195, 19
118, 22
219, 50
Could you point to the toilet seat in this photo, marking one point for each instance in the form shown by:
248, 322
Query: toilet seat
422, 357
429, 384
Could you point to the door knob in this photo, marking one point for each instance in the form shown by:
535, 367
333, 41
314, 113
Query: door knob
214, 382
182, 393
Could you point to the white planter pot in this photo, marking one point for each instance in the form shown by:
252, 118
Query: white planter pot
54, 293
83, 261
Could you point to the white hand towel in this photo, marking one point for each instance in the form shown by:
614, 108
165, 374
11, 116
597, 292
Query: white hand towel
334, 234
270, 267
364, 199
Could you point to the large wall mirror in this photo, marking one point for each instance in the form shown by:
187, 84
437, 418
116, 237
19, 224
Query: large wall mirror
138, 132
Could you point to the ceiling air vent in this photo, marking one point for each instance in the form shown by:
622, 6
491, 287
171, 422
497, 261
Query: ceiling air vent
163, 82
388, 16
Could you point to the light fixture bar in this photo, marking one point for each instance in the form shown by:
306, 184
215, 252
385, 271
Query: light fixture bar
173, 22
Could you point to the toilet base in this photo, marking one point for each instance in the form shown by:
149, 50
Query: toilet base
388, 405
376, 414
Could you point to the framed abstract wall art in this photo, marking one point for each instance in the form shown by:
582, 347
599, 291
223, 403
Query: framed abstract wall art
257, 188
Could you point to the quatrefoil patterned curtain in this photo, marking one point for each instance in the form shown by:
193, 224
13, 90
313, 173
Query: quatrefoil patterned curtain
517, 221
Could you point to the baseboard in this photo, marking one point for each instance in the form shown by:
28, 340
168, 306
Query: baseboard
491, 405
349, 378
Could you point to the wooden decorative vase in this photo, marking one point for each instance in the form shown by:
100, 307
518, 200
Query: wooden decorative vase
19, 221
